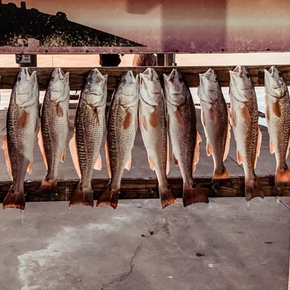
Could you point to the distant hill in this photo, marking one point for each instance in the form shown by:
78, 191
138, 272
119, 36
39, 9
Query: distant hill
19, 24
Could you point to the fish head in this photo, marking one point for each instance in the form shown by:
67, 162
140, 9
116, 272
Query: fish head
150, 87
241, 85
209, 88
274, 83
26, 88
127, 90
58, 87
95, 88
174, 86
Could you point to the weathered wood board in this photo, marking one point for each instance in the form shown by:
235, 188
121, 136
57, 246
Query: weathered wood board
146, 188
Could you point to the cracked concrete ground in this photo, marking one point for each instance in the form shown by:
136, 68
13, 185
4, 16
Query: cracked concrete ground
221, 245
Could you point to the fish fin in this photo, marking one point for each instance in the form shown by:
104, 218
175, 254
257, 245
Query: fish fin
48, 186
153, 119
221, 175
59, 110
23, 120
14, 199
287, 152
175, 161
202, 118
136, 124
193, 194
272, 149
82, 196
74, 154
259, 142
151, 163
233, 118
144, 123
62, 158
127, 120
246, 114
253, 189
41, 147
228, 141
208, 150
98, 164
167, 157
166, 195
213, 115
196, 151
109, 197
239, 158
6, 154
277, 109
128, 163
29, 167
267, 113
178, 117
282, 177
108, 159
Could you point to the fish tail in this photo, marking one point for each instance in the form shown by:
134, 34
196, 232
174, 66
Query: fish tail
109, 197
14, 199
221, 178
48, 186
253, 189
282, 177
166, 195
193, 194
221, 175
82, 196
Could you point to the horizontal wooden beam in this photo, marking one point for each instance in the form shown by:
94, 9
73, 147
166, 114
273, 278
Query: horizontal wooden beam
78, 75
147, 188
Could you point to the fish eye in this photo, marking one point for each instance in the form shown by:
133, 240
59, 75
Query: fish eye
19, 79
280, 75
215, 79
247, 75
90, 80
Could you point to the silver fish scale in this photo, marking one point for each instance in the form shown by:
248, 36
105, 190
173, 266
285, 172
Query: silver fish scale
20, 141
183, 138
281, 127
90, 127
54, 132
157, 141
252, 132
120, 140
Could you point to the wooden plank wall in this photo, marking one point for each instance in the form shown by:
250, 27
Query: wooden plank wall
78, 75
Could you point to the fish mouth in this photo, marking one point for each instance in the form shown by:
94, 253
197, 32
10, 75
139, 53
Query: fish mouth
59, 74
238, 70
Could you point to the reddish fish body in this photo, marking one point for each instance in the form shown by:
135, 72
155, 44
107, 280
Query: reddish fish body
22, 127
244, 120
183, 134
278, 121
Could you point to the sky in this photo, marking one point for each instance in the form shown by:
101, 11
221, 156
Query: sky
187, 25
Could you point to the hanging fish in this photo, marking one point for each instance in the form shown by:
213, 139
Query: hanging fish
90, 126
278, 121
244, 120
183, 134
54, 127
122, 127
215, 120
152, 123
22, 127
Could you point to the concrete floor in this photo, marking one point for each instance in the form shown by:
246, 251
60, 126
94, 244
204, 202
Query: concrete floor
221, 245
224, 245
